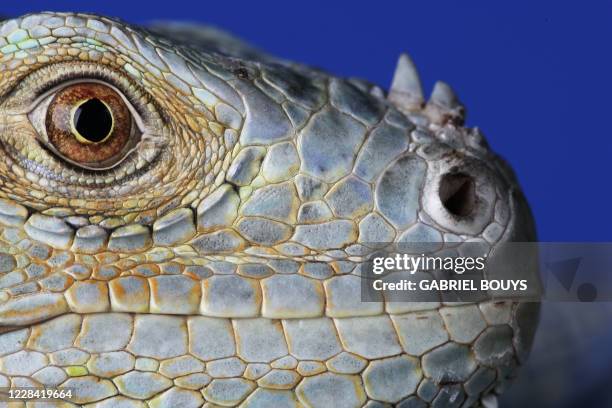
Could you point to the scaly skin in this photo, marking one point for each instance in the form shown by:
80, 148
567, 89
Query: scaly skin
219, 262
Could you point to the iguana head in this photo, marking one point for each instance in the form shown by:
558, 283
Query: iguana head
150, 175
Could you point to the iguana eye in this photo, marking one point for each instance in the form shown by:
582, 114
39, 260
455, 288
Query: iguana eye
88, 124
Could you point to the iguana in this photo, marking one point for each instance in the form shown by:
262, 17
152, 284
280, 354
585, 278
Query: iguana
182, 218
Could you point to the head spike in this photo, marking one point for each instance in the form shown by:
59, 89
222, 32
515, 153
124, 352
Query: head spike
406, 92
443, 105
444, 96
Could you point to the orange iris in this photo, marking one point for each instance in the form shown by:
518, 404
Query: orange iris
89, 123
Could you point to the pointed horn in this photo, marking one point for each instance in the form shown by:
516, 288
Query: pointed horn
443, 105
406, 92
406, 78
444, 96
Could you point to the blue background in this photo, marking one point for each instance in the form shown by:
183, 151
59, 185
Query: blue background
534, 75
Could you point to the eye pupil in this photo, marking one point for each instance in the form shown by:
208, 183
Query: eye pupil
93, 120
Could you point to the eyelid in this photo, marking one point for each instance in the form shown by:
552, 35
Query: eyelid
36, 85
30, 97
